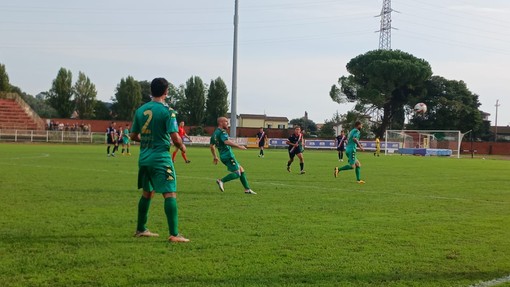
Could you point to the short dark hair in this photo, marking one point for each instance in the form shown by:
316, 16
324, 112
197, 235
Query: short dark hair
159, 87
357, 123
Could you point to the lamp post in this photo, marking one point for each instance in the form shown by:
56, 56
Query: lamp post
233, 107
496, 123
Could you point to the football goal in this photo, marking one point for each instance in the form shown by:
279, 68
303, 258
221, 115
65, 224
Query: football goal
426, 142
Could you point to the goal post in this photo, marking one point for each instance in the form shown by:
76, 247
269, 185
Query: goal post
425, 142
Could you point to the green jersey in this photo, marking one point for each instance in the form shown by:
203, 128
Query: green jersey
218, 139
125, 134
351, 144
154, 121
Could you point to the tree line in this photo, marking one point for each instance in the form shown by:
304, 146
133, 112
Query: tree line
196, 102
384, 85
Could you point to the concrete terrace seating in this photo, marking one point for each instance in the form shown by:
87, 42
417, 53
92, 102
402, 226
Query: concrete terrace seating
16, 115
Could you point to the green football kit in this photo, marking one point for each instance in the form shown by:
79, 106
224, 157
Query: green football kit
154, 121
226, 155
125, 136
350, 151
228, 159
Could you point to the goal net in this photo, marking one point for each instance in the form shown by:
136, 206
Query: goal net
425, 142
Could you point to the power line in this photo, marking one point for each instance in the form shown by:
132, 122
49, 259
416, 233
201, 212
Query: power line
205, 44
449, 13
454, 43
141, 27
451, 25
194, 10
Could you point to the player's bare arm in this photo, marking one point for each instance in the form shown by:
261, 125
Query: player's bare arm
186, 136
213, 151
359, 145
292, 144
177, 141
135, 137
233, 144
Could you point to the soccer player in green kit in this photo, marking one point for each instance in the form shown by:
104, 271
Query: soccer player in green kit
350, 151
125, 141
220, 140
154, 125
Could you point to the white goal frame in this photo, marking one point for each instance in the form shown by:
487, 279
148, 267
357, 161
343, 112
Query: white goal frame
425, 135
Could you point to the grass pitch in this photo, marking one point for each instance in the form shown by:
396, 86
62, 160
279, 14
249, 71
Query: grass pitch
68, 214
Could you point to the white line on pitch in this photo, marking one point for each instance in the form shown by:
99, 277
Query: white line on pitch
493, 282
29, 157
271, 183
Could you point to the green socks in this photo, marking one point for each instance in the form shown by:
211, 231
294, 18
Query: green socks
170, 211
244, 181
143, 213
230, 176
356, 170
345, 167
234, 175
171, 215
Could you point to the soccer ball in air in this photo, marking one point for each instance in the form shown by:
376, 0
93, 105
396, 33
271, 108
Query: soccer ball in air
420, 108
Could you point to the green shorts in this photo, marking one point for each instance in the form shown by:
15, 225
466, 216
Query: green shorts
125, 140
351, 156
231, 163
160, 179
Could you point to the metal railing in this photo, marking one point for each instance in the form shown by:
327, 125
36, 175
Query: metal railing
10, 135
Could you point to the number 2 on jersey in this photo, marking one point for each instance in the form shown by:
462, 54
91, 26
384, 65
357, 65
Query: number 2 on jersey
145, 129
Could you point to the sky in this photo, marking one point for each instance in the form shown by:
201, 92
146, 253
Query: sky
290, 52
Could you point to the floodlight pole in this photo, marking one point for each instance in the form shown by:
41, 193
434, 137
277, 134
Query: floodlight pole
233, 107
496, 123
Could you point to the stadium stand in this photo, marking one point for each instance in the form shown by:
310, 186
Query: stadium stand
16, 114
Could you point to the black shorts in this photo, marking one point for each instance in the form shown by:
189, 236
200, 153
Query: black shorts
262, 144
110, 141
340, 148
293, 153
